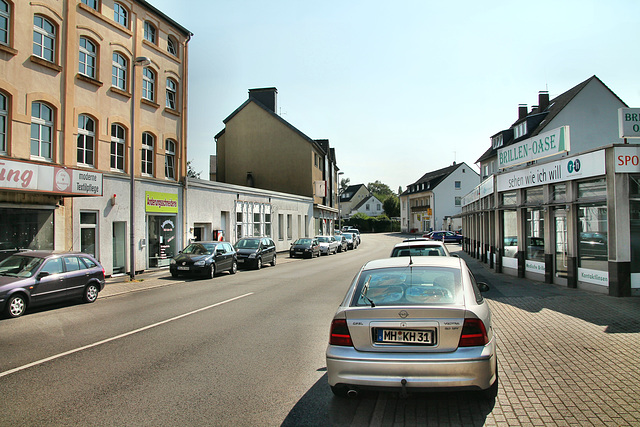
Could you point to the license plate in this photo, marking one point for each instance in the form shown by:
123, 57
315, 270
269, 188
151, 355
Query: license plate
298, 253
240, 260
404, 336
183, 268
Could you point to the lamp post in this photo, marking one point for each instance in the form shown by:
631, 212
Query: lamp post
142, 61
339, 196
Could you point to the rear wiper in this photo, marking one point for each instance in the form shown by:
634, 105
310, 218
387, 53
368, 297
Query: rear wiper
363, 294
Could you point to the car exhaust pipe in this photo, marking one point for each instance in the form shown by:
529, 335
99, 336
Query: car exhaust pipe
403, 392
352, 393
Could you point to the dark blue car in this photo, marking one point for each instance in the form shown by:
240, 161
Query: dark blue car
446, 236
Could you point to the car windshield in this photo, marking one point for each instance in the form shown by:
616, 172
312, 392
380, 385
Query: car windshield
323, 239
409, 286
200, 249
20, 266
347, 235
248, 244
303, 242
418, 251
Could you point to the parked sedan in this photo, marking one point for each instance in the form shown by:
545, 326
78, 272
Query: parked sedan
446, 236
254, 252
342, 243
40, 277
205, 259
356, 234
426, 327
328, 244
352, 241
305, 248
420, 247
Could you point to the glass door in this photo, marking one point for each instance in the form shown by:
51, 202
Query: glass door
560, 252
119, 247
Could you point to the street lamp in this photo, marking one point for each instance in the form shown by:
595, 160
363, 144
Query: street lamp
339, 196
142, 61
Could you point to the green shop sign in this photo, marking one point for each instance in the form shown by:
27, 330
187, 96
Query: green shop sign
161, 202
540, 146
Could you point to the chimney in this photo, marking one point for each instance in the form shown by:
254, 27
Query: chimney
266, 96
522, 111
543, 100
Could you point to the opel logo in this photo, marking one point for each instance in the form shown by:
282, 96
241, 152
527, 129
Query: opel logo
403, 314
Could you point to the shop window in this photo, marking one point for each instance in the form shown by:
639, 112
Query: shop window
25, 229
634, 185
559, 192
593, 237
634, 206
592, 189
88, 223
534, 196
162, 239
534, 234
509, 198
510, 232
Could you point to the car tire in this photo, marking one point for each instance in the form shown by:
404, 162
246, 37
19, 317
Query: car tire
273, 261
234, 267
258, 263
90, 293
174, 275
16, 306
212, 271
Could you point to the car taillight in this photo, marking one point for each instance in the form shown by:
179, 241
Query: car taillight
340, 333
473, 333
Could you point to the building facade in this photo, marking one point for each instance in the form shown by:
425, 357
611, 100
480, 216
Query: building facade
351, 197
259, 149
561, 202
434, 202
91, 93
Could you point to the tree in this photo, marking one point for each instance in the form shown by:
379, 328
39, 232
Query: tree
344, 183
191, 172
380, 190
391, 206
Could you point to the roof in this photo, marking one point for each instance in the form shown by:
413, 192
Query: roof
351, 191
426, 261
148, 5
542, 117
432, 179
363, 201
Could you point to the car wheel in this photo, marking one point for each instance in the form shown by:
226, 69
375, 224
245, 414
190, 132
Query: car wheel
90, 293
212, 271
273, 261
16, 306
174, 275
258, 263
234, 267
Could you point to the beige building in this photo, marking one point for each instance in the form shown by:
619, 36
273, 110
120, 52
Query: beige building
77, 78
257, 148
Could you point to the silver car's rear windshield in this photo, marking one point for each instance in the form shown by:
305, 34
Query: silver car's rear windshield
409, 286
419, 251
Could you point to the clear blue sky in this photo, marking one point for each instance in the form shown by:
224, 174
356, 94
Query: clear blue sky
399, 88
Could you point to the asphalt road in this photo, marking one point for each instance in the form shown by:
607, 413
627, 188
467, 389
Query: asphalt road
236, 350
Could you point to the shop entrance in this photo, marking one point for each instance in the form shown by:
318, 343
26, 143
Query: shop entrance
119, 247
162, 240
560, 252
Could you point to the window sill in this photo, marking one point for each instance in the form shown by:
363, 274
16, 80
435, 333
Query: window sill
88, 80
45, 63
149, 103
104, 19
120, 92
172, 111
7, 49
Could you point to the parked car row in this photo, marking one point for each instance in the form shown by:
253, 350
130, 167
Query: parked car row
444, 236
309, 247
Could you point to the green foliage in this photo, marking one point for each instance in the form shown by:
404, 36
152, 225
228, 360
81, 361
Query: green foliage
380, 190
391, 206
191, 172
367, 224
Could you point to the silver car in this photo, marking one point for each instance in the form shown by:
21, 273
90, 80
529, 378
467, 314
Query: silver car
413, 324
328, 244
420, 247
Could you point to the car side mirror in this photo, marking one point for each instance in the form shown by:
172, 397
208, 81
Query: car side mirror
43, 274
483, 287
455, 255
220, 251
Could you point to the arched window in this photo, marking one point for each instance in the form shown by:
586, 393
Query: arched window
87, 58
149, 32
44, 38
172, 46
5, 19
41, 130
119, 71
170, 159
148, 84
4, 114
93, 4
172, 89
120, 14
147, 153
117, 147
86, 140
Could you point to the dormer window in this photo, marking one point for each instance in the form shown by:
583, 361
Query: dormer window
497, 141
520, 130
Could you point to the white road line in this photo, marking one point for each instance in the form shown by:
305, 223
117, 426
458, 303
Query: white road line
117, 337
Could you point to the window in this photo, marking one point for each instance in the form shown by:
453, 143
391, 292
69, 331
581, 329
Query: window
5, 15
88, 223
281, 226
171, 93
593, 242
119, 72
41, 130
44, 38
458, 201
520, 130
256, 224
509, 198
120, 15
169, 159
117, 147
172, 46
147, 153
148, 84
149, 32
534, 234
93, 4
534, 196
87, 58
592, 189
267, 224
458, 185
3, 123
86, 140
289, 225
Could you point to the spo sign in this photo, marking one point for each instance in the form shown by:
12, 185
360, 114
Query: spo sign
629, 122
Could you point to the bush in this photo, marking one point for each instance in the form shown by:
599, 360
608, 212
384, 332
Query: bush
367, 224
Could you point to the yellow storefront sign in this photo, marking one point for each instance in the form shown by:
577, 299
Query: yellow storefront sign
161, 202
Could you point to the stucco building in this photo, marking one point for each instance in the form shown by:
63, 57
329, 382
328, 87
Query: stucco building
81, 81
258, 148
